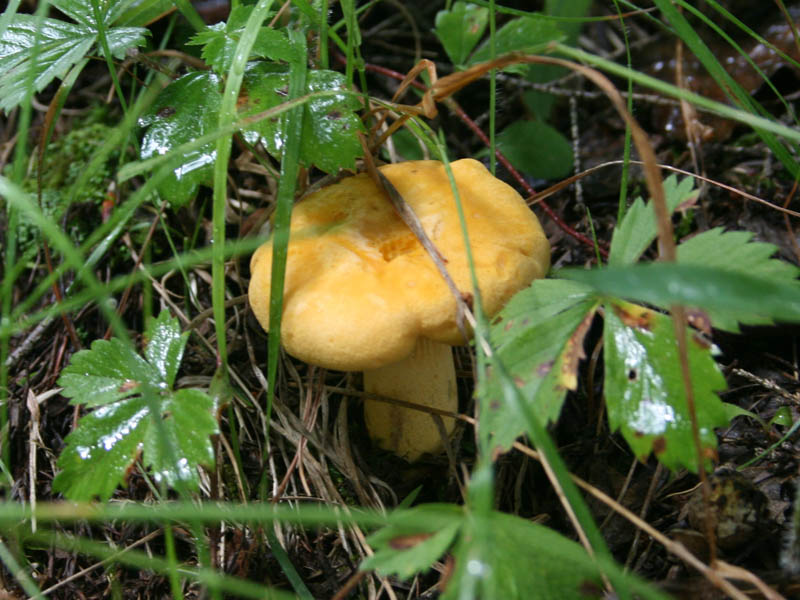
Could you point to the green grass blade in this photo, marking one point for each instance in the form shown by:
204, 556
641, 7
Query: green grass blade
21, 319
665, 284
723, 110
72, 256
103, 39
27, 584
227, 116
288, 568
11, 513
17, 174
283, 211
626, 148
137, 559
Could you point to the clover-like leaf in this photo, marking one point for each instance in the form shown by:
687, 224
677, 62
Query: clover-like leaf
56, 45
538, 337
188, 109
110, 371
219, 41
644, 387
136, 411
181, 442
101, 449
460, 28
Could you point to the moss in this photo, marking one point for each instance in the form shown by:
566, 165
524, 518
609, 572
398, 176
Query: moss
64, 192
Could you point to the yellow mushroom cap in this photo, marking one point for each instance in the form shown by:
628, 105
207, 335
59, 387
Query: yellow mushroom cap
360, 289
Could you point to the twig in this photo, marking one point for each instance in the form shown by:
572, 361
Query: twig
29, 341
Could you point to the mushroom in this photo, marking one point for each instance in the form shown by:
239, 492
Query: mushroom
361, 293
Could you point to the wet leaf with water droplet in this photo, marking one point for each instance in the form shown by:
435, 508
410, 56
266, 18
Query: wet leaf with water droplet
184, 110
330, 127
58, 45
188, 109
538, 336
101, 450
110, 371
165, 345
137, 410
644, 386
189, 419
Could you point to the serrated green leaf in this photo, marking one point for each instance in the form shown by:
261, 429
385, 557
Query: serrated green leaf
638, 228
184, 110
538, 336
523, 34
83, 11
219, 41
165, 344
644, 386
410, 543
536, 149
330, 125
728, 294
101, 450
111, 370
138, 412
60, 45
734, 251
139, 13
460, 28
77, 10
508, 557
183, 441
122, 38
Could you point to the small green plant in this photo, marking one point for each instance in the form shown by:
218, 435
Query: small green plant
37, 49
644, 390
136, 411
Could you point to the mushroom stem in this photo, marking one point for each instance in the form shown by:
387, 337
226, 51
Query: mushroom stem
427, 377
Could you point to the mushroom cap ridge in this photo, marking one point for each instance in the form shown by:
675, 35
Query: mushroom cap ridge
360, 289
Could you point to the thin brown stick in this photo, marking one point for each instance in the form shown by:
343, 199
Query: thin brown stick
409, 217
538, 196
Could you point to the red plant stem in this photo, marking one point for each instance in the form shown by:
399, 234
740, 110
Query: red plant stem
456, 108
